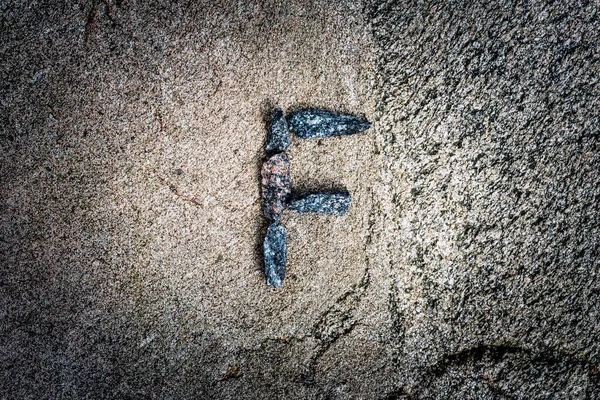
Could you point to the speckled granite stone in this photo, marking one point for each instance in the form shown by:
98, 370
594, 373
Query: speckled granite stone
311, 123
332, 203
278, 139
275, 185
275, 254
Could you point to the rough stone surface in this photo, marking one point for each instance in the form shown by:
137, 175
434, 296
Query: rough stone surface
275, 254
132, 137
332, 203
278, 138
275, 185
489, 133
313, 123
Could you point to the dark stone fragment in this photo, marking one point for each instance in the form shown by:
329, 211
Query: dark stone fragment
323, 123
332, 203
275, 253
275, 185
279, 136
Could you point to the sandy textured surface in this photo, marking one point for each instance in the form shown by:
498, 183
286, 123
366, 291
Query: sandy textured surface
131, 140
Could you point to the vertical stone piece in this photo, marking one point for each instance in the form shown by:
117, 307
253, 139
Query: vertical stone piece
275, 185
331, 203
278, 139
312, 123
275, 254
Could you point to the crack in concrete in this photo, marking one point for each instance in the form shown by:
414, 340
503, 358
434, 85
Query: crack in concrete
498, 352
184, 196
339, 320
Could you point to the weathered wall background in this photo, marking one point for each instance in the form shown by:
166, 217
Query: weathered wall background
131, 137
488, 120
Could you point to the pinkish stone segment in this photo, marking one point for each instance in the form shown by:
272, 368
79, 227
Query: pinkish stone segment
275, 185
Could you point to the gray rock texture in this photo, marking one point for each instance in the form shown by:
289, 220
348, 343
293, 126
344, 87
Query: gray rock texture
132, 138
315, 123
489, 129
278, 138
331, 203
275, 254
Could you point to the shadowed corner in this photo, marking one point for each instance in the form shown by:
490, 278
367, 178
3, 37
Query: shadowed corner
263, 225
320, 187
266, 111
310, 106
262, 222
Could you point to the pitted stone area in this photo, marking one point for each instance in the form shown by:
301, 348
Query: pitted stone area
275, 185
